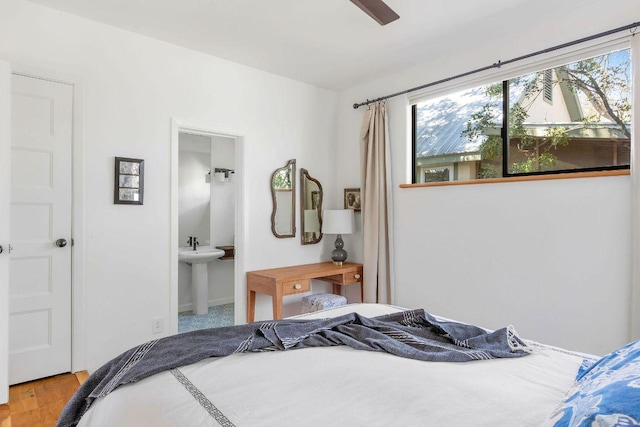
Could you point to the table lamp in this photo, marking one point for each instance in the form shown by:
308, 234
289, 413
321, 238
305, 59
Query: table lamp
339, 221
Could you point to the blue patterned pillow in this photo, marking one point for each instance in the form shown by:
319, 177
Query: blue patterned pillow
607, 394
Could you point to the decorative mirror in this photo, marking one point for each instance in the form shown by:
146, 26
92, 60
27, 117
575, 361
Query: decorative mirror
283, 191
310, 208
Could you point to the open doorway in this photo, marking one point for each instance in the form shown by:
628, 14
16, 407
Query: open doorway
206, 205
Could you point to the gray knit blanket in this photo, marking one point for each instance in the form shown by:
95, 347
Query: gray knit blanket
413, 334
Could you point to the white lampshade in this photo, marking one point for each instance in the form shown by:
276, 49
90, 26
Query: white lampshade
311, 222
339, 221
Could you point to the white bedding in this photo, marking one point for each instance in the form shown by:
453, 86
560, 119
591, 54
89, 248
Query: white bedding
340, 386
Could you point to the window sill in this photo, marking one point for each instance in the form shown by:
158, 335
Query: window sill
597, 174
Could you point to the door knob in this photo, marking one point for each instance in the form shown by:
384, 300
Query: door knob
61, 243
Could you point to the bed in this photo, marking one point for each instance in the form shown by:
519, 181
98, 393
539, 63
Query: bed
341, 385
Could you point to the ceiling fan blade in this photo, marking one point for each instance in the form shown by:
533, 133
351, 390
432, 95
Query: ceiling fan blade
378, 10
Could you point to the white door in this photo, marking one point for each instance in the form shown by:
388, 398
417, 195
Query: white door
40, 259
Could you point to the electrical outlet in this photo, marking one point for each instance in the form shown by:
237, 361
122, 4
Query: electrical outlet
157, 325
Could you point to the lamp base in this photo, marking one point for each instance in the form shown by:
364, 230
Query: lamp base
339, 255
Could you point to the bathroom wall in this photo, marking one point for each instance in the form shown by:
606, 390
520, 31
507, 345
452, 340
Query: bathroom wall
222, 220
194, 161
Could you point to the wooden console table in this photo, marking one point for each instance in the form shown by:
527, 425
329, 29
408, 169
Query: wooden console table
279, 282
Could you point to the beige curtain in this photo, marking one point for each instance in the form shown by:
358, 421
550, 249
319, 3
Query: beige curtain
377, 205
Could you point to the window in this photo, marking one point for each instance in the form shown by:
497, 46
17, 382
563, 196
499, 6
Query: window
571, 118
437, 173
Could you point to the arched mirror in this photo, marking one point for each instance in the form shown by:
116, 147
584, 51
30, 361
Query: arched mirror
283, 191
310, 208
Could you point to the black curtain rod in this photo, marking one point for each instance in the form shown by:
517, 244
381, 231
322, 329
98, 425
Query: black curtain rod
501, 63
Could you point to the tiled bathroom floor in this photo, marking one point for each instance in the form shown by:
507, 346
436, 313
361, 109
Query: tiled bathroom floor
220, 315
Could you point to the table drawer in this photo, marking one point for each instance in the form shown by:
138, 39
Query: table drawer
346, 278
352, 277
296, 286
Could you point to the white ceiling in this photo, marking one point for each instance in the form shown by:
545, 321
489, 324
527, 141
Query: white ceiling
328, 43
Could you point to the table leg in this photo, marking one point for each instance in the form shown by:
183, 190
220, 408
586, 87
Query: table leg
251, 306
336, 289
277, 303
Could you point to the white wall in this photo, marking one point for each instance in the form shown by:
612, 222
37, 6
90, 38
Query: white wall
132, 87
5, 176
193, 195
552, 258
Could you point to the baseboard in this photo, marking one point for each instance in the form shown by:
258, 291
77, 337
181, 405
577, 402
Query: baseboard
212, 303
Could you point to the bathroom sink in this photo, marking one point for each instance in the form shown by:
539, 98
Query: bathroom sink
198, 260
201, 255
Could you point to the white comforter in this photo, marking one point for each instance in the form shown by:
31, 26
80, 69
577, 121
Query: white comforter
340, 386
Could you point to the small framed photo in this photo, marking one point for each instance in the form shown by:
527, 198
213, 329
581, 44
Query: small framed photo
128, 181
352, 199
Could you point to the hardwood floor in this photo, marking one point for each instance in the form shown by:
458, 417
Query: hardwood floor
39, 403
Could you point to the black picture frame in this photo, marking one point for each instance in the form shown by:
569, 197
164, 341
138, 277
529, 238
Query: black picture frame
128, 188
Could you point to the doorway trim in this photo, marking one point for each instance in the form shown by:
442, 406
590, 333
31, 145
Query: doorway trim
178, 127
78, 317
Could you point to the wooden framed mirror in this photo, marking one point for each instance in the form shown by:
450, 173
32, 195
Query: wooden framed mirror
310, 208
283, 192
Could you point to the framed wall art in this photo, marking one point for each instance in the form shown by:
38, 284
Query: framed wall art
129, 181
352, 199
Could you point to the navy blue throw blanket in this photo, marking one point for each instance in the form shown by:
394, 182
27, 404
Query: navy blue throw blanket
412, 334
